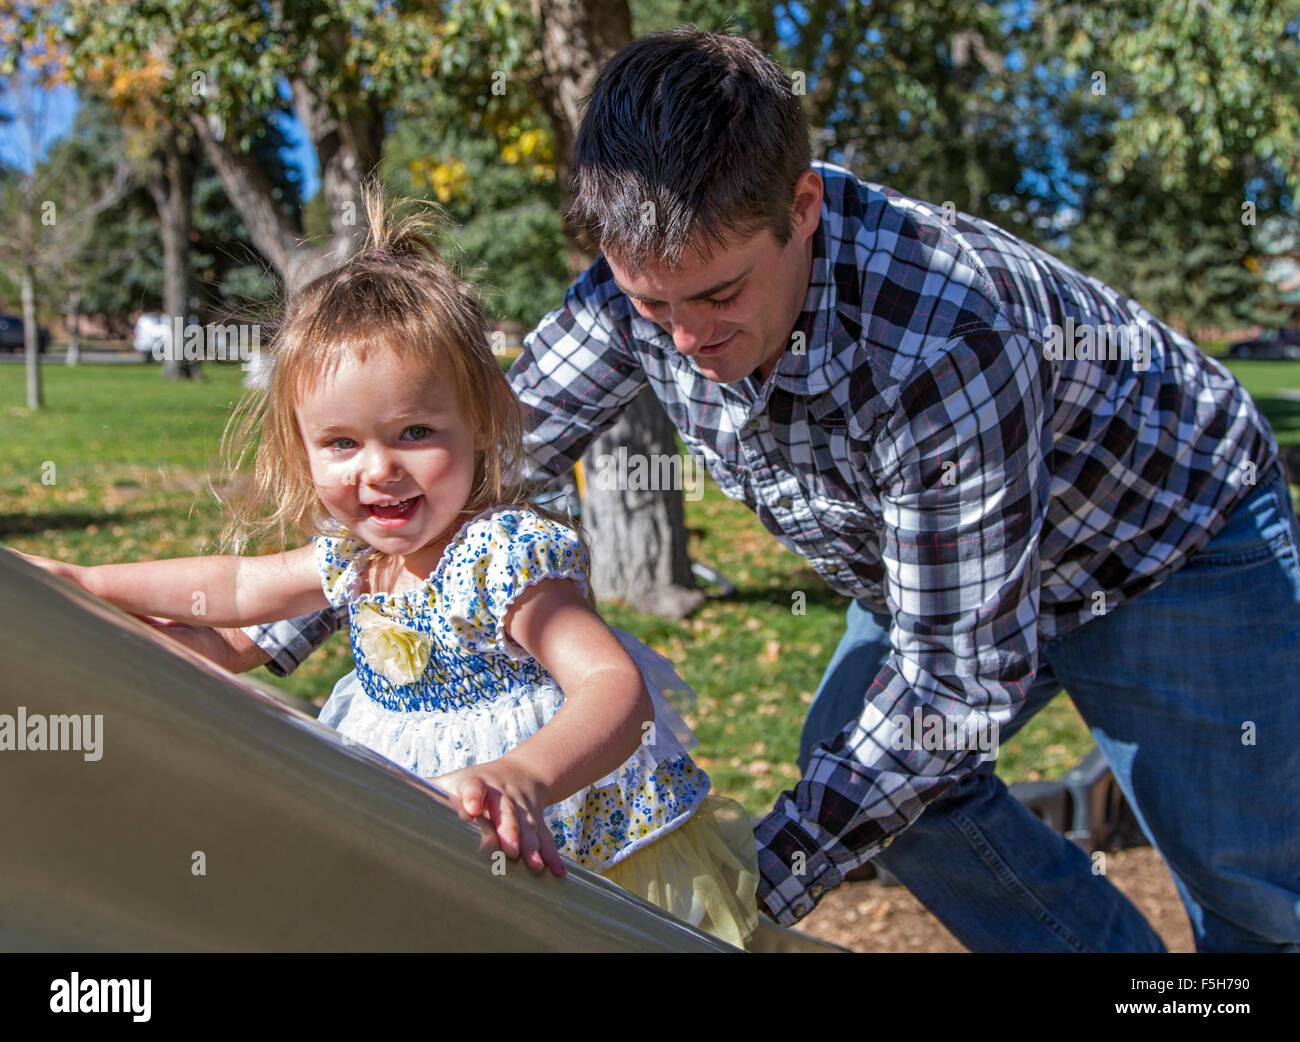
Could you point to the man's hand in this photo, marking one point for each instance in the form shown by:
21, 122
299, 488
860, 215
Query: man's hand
230, 649
507, 803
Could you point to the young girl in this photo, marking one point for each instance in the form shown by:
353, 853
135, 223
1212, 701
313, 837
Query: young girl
389, 432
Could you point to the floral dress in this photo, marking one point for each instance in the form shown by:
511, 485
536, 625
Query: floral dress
439, 685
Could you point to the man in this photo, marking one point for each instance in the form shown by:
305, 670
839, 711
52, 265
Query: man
1020, 477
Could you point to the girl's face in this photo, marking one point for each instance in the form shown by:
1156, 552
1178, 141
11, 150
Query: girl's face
391, 455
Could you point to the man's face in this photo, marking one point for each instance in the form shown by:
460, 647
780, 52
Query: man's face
733, 312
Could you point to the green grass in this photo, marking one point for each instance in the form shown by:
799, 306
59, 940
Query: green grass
132, 454
1264, 380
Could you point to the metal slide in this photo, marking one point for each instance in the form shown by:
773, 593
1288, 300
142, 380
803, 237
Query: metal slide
210, 817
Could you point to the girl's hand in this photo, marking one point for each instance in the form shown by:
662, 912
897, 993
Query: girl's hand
512, 800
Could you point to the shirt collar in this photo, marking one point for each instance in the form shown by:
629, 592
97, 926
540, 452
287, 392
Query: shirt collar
825, 340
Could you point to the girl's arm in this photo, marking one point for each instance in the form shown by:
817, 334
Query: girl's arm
211, 591
606, 707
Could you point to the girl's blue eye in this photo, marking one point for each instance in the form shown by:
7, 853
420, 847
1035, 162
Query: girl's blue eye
418, 433
337, 443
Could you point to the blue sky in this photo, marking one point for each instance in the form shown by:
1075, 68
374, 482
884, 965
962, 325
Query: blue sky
39, 117
50, 115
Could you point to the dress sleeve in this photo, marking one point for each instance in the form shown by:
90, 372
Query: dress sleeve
341, 562
498, 558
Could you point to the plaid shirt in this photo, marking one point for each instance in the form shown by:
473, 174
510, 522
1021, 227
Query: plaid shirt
945, 442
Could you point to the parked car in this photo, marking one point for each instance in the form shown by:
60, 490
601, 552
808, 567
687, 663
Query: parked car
1282, 343
152, 334
11, 334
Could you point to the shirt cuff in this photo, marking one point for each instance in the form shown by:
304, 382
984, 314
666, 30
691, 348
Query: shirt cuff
290, 642
794, 874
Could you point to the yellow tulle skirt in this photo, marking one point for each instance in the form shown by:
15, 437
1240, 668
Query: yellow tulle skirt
705, 871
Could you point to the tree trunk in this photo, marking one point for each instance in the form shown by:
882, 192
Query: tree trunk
638, 537
577, 38
172, 189
31, 337
638, 533
348, 149
74, 316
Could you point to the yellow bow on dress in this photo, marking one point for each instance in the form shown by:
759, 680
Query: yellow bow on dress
392, 650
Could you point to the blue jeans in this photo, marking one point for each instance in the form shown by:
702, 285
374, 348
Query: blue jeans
1192, 692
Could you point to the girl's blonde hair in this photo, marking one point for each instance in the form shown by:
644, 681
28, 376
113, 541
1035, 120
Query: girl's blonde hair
395, 294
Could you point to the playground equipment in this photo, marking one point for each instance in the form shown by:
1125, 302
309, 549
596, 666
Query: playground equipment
187, 811
1086, 805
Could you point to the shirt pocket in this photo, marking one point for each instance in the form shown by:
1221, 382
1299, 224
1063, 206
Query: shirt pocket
840, 510
733, 482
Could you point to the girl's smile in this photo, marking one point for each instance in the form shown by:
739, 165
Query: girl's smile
390, 454
391, 514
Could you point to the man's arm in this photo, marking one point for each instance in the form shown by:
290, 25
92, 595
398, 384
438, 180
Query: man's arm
284, 646
963, 471
575, 375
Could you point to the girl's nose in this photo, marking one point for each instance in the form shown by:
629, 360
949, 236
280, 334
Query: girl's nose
379, 467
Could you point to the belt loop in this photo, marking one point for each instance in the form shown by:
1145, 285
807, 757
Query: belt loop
1265, 475
1277, 470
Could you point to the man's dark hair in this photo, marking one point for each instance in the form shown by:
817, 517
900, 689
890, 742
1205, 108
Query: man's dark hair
689, 138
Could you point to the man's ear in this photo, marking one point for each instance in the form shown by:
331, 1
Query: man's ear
807, 207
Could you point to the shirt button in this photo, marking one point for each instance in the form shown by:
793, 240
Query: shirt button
888, 840
817, 890
752, 425
784, 502
801, 909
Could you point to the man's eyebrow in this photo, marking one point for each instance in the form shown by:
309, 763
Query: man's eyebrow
698, 296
